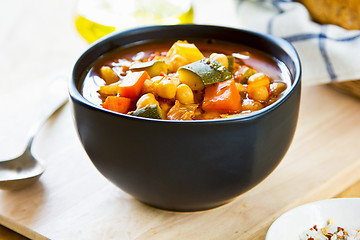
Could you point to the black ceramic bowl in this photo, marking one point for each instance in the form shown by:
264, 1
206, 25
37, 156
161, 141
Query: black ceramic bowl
187, 165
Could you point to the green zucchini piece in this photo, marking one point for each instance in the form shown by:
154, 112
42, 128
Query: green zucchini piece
248, 72
153, 68
231, 61
244, 73
191, 79
205, 72
152, 111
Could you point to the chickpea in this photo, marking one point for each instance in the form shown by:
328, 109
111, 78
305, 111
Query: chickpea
220, 58
108, 75
258, 85
146, 100
259, 93
109, 90
256, 77
184, 94
166, 88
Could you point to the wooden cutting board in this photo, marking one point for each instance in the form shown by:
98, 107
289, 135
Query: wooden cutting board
74, 201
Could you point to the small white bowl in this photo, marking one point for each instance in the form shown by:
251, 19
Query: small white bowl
289, 226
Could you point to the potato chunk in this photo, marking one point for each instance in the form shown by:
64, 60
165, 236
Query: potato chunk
184, 51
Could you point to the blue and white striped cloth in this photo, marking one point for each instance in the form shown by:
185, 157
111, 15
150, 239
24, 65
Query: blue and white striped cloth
327, 52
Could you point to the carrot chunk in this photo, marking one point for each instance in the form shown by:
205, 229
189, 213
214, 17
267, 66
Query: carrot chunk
222, 97
117, 104
132, 85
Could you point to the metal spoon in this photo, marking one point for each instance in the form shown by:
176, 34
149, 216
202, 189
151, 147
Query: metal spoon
25, 169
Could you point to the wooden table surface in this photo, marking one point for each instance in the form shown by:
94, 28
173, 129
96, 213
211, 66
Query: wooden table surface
8, 234
38, 44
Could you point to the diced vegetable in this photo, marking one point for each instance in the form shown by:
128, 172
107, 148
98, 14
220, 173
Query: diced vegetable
277, 88
186, 50
248, 72
166, 88
259, 87
108, 75
146, 100
259, 77
222, 97
175, 62
191, 79
220, 58
150, 85
227, 61
182, 53
231, 63
244, 73
241, 88
109, 90
251, 105
180, 84
132, 85
166, 105
153, 68
204, 72
182, 111
152, 111
117, 104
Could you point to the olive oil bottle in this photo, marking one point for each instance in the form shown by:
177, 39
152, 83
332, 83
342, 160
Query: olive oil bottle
97, 18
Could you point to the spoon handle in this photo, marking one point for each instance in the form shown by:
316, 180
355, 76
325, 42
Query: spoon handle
56, 97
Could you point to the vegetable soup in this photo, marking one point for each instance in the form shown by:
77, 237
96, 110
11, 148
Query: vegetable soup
185, 80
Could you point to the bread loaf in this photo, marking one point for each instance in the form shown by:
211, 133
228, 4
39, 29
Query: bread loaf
345, 13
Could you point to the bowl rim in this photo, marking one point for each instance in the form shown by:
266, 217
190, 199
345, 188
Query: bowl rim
77, 97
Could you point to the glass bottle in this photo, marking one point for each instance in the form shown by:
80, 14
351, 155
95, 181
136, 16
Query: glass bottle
97, 18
